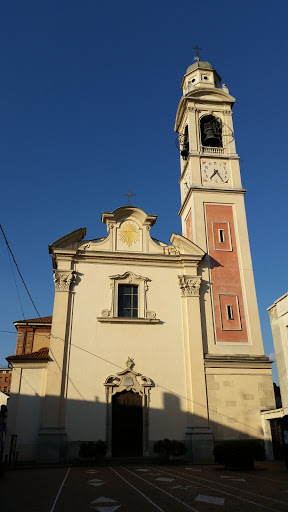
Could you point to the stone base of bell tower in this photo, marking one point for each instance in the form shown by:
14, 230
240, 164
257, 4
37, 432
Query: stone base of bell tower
200, 445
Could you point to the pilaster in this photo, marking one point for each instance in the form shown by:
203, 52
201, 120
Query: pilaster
198, 435
52, 432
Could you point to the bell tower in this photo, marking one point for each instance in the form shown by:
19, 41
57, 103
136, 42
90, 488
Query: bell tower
213, 213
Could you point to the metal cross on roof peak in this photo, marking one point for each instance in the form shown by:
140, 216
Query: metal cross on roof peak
197, 50
129, 194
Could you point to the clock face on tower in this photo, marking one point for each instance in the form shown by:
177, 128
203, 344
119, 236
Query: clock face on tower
215, 172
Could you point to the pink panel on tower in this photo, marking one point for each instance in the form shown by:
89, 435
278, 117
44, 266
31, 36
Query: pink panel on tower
188, 226
225, 275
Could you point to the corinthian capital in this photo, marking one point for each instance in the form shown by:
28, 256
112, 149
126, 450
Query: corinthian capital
190, 285
63, 279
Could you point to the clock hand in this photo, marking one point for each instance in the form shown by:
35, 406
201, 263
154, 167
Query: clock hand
213, 174
220, 176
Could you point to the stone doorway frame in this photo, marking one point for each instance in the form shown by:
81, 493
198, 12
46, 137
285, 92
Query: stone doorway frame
128, 380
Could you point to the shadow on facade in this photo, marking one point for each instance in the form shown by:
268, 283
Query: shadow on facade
131, 431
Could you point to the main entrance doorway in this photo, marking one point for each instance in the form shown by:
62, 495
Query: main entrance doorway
127, 424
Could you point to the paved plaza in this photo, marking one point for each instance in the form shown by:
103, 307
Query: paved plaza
141, 488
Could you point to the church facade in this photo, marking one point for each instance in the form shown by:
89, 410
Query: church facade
152, 340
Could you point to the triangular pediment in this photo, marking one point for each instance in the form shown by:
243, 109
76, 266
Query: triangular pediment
185, 246
68, 241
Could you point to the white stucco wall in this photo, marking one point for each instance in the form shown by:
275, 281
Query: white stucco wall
157, 350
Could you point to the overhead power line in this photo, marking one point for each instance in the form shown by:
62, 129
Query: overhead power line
6, 241
13, 274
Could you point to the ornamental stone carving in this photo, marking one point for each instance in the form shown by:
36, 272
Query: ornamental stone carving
129, 233
130, 363
128, 380
63, 279
106, 312
189, 285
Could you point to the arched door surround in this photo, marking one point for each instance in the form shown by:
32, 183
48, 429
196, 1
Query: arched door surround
127, 391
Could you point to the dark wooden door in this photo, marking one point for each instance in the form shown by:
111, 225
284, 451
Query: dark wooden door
127, 428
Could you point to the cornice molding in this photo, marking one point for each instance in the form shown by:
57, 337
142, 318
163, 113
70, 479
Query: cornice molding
237, 361
117, 258
27, 364
121, 320
200, 188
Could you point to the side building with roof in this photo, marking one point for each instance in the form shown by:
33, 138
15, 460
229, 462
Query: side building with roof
27, 367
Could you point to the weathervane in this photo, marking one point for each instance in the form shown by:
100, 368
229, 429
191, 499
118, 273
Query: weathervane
197, 50
129, 194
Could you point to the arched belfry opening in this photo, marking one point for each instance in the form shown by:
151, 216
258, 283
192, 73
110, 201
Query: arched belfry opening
127, 419
211, 131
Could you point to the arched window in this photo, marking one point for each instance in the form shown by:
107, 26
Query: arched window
211, 132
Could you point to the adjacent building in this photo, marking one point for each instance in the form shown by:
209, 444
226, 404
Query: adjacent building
278, 313
278, 418
5, 380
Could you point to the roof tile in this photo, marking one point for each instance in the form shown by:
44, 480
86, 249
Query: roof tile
41, 320
41, 354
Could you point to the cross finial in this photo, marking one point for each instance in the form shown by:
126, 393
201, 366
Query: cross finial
129, 194
197, 50
130, 363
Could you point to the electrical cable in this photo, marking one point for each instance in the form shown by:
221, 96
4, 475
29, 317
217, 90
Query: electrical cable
16, 285
6, 241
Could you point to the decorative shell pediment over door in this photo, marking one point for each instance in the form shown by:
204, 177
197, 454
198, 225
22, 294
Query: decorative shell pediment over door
128, 380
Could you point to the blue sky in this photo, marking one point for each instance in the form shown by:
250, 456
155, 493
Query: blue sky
89, 93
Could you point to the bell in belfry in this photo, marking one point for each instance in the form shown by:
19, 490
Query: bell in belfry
185, 147
211, 133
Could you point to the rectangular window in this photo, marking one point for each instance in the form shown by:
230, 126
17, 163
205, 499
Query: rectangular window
127, 300
221, 236
230, 315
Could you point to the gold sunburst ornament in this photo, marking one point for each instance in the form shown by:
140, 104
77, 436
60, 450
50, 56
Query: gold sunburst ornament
128, 234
